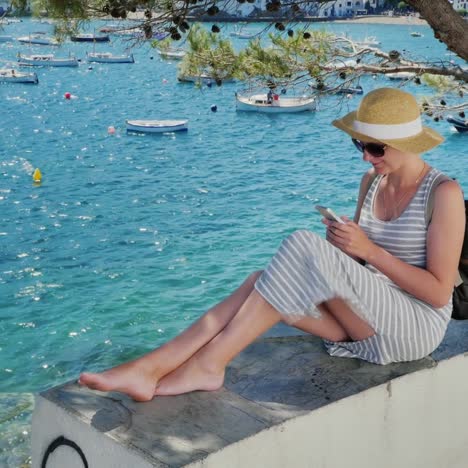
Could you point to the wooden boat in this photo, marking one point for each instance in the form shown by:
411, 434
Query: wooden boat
46, 60
38, 39
107, 57
9, 75
459, 124
89, 38
276, 105
156, 126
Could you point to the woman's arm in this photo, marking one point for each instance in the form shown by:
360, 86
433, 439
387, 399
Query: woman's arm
434, 284
363, 189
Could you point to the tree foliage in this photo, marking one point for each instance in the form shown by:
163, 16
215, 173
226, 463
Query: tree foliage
292, 54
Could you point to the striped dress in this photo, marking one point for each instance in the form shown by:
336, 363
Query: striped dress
307, 270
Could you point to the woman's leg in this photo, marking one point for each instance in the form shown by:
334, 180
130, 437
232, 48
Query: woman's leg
138, 378
205, 369
338, 323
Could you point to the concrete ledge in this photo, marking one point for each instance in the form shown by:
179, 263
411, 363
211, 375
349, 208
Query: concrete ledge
285, 403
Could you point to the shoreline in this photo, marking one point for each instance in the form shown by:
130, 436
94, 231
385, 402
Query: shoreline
381, 19
368, 19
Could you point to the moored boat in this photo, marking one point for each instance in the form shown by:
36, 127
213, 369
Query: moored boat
9, 75
89, 38
107, 57
174, 54
241, 33
416, 34
275, 104
46, 60
459, 124
156, 126
203, 79
401, 76
338, 90
37, 39
368, 41
110, 28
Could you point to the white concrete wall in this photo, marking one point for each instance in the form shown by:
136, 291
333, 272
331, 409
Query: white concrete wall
51, 421
416, 421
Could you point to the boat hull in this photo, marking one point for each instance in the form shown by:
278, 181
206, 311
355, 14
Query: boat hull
46, 62
259, 103
89, 38
401, 76
172, 55
204, 79
96, 58
38, 41
156, 126
10, 76
459, 124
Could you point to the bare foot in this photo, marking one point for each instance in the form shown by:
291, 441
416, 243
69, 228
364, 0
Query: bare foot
190, 376
129, 378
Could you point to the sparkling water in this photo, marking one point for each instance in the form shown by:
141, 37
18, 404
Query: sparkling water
130, 238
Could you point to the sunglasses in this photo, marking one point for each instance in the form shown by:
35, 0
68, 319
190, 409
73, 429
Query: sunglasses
376, 150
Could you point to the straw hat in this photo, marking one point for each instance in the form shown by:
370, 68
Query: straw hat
390, 116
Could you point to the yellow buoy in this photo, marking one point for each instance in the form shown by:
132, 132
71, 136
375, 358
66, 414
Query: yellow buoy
37, 176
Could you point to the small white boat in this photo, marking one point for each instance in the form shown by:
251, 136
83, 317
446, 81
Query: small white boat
107, 57
46, 60
132, 32
277, 104
156, 126
339, 64
10, 20
172, 54
110, 28
368, 41
401, 75
5, 38
89, 38
9, 75
203, 79
242, 34
38, 39
416, 34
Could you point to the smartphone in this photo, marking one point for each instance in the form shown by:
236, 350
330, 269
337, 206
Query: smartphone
329, 214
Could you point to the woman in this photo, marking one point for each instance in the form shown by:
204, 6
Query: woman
379, 288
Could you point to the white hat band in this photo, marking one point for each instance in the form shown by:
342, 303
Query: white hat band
389, 132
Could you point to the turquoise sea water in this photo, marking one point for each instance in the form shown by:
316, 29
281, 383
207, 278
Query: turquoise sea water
130, 238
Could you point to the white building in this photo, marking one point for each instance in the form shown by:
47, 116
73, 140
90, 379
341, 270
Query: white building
346, 7
332, 8
460, 4
241, 9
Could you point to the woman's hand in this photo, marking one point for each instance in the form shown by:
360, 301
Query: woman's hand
350, 238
